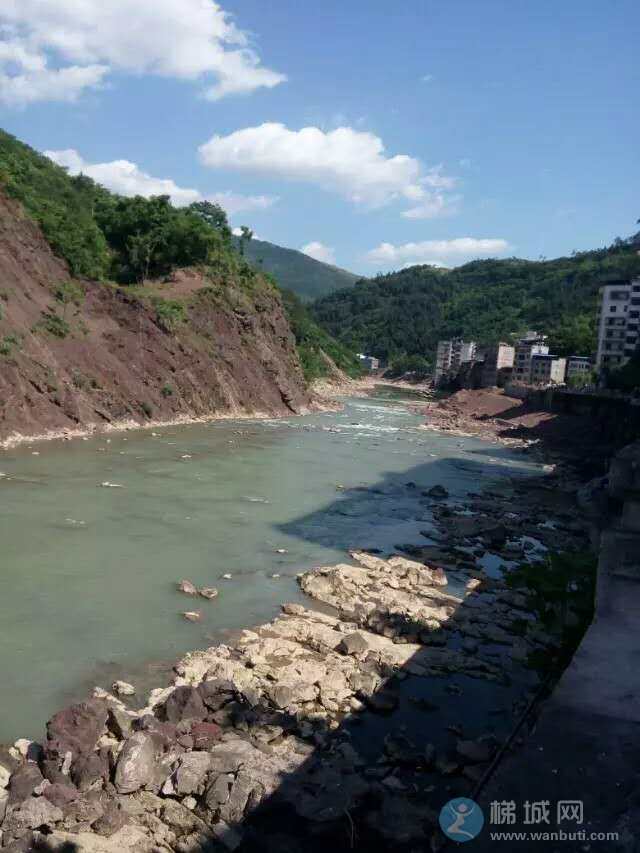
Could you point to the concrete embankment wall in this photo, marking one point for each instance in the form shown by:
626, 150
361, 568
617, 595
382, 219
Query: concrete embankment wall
615, 420
586, 745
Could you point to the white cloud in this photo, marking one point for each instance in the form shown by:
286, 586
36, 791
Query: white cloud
54, 49
125, 178
349, 162
437, 252
436, 200
316, 249
427, 78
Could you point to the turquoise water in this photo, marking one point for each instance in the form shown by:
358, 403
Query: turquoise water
88, 572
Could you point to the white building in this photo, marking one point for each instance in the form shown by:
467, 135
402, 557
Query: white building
547, 369
450, 355
533, 343
498, 362
369, 362
618, 320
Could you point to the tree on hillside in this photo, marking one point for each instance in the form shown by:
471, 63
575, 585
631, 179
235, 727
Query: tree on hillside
246, 234
149, 237
213, 215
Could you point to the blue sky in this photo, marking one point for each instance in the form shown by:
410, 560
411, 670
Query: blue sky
435, 130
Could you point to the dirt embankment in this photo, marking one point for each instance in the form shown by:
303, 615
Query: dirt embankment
78, 355
491, 414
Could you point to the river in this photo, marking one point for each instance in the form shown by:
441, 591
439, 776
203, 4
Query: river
88, 571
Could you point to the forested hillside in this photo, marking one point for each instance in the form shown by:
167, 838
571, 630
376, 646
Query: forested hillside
407, 312
135, 241
307, 278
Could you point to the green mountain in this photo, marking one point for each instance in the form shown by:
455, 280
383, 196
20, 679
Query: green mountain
293, 270
407, 312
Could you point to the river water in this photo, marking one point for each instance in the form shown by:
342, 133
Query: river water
88, 571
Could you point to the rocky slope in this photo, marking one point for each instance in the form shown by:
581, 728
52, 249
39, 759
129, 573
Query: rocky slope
77, 354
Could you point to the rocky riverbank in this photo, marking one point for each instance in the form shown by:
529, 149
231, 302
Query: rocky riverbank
349, 724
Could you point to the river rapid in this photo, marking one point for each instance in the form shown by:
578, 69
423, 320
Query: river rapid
95, 534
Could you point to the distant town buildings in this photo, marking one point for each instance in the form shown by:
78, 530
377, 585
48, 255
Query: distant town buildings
618, 320
533, 343
528, 362
450, 355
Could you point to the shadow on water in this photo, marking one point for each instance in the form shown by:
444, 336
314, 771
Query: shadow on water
379, 780
375, 517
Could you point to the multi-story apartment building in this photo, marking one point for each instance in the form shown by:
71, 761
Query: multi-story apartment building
533, 343
450, 355
618, 323
498, 365
547, 369
578, 366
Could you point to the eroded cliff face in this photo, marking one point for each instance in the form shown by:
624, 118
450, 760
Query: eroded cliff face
77, 354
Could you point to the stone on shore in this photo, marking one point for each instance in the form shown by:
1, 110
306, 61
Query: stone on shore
136, 764
123, 688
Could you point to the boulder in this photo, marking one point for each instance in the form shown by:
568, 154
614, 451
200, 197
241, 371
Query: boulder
437, 492
281, 695
76, 729
216, 692
228, 836
136, 764
192, 772
5, 775
34, 813
60, 794
475, 751
134, 839
4, 802
192, 615
184, 703
400, 750
218, 791
355, 644
113, 819
180, 818
205, 735
87, 770
384, 702
242, 791
123, 688
23, 781
209, 592
120, 722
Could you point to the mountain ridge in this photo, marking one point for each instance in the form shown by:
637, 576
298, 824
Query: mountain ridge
307, 277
